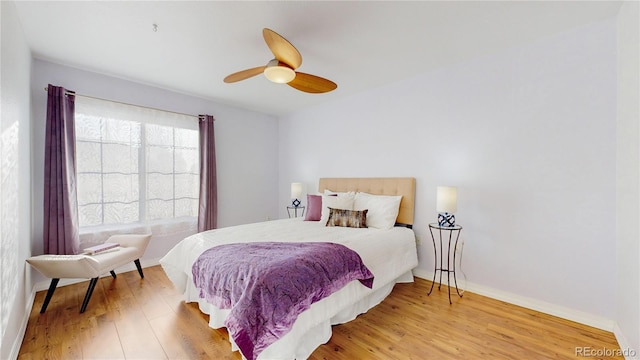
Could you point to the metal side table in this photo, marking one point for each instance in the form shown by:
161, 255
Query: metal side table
450, 268
295, 211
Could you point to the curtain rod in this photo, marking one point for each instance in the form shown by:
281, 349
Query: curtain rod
67, 92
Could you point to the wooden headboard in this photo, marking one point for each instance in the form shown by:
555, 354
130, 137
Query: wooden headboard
405, 186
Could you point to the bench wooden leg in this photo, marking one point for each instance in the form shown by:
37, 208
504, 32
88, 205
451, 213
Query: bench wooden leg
137, 262
52, 289
87, 296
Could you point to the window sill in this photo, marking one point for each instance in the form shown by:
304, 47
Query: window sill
99, 234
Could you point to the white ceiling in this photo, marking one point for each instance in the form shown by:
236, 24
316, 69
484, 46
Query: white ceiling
359, 45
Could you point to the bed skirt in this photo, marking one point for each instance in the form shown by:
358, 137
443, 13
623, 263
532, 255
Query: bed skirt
307, 333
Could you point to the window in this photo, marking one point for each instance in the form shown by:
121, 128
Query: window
134, 164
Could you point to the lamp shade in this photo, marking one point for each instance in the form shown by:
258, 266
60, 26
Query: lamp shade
447, 199
296, 190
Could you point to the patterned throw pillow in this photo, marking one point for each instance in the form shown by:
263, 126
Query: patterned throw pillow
347, 218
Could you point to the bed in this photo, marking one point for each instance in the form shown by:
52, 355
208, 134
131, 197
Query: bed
388, 252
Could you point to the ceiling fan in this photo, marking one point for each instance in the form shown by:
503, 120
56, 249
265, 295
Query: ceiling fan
282, 69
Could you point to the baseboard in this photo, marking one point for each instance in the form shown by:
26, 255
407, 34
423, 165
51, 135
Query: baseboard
628, 352
534, 304
44, 285
17, 343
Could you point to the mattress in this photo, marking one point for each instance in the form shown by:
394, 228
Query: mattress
389, 254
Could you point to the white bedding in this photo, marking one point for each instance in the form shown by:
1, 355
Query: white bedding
389, 254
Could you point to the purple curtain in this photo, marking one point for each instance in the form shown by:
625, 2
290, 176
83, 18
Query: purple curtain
61, 235
208, 207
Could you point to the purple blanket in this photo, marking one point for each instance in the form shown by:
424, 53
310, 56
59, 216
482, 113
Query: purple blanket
268, 284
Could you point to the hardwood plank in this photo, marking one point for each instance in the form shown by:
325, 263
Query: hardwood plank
147, 296
135, 318
164, 327
100, 340
136, 334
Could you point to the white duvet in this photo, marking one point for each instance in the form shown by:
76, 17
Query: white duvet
389, 254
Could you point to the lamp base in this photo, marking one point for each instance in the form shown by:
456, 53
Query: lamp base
446, 220
295, 202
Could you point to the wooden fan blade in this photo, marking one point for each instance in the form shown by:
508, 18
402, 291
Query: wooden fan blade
244, 74
311, 83
282, 49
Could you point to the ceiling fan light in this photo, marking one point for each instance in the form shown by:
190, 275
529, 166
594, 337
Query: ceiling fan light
279, 74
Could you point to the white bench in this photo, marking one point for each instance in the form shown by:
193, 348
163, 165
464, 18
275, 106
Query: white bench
82, 266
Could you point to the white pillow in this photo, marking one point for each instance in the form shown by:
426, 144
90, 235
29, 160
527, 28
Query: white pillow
340, 201
383, 209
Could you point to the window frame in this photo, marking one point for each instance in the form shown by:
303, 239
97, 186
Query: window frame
143, 149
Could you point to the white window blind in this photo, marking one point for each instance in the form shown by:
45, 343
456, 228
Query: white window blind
134, 164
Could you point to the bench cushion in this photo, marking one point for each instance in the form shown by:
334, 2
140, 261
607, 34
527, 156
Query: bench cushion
84, 266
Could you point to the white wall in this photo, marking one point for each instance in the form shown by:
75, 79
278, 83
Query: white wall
628, 177
15, 199
529, 137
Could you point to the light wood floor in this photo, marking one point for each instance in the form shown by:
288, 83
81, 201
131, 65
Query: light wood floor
147, 319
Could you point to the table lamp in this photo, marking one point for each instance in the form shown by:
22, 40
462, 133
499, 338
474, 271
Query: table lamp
296, 192
446, 205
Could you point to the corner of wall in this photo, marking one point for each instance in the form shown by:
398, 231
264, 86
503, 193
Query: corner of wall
17, 343
15, 189
628, 351
627, 320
